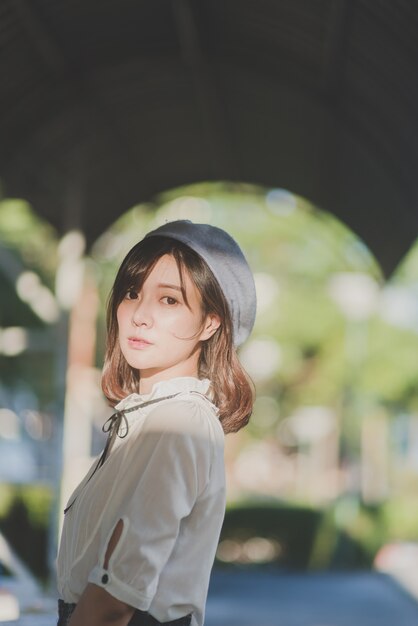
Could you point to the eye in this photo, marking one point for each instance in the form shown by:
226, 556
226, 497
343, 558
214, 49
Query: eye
170, 300
131, 294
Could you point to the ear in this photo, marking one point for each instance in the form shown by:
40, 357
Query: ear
212, 323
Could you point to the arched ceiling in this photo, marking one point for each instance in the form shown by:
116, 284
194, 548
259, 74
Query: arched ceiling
103, 104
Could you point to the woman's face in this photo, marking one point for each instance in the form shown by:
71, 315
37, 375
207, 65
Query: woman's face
156, 326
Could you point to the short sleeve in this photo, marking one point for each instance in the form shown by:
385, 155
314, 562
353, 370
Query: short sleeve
167, 468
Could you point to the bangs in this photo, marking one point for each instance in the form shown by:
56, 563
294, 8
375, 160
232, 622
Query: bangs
140, 262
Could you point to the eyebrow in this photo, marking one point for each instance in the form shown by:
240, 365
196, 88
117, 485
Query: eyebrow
167, 285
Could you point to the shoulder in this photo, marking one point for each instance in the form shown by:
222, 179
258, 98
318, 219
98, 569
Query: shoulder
188, 413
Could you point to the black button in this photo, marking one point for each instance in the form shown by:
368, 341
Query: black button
105, 579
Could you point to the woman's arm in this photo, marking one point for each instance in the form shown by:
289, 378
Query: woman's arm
97, 607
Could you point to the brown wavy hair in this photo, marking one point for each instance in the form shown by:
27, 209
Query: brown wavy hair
232, 388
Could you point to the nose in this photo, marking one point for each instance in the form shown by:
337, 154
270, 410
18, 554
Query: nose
142, 314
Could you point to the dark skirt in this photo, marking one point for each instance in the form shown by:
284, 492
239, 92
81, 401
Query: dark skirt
139, 618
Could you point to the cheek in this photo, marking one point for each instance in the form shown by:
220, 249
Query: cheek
121, 315
189, 322
118, 316
175, 323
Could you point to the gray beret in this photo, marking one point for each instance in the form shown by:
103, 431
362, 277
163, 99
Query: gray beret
228, 264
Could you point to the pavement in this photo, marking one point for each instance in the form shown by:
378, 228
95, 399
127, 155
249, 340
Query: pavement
274, 598
314, 599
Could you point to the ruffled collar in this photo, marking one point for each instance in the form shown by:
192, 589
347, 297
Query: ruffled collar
166, 388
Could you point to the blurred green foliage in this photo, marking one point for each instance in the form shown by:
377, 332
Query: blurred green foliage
25, 512
344, 535
27, 244
31, 240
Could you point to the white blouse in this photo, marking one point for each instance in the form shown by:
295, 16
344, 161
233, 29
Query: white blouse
165, 480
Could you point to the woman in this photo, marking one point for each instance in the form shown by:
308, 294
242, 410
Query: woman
141, 530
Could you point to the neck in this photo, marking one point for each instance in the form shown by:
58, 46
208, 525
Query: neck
147, 380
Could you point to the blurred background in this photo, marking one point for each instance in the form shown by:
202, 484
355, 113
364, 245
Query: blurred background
292, 126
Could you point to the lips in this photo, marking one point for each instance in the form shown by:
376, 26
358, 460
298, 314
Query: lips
138, 342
